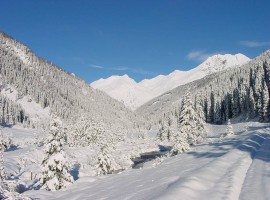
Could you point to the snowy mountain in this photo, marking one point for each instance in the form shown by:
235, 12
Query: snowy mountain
238, 86
135, 94
38, 89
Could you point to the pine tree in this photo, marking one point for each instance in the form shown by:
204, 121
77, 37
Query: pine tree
180, 144
229, 129
266, 68
190, 123
250, 104
2, 167
55, 168
165, 132
105, 164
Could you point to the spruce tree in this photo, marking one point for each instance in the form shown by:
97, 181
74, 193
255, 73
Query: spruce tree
180, 143
266, 68
105, 164
190, 123
165, 131
55, 168
229, 129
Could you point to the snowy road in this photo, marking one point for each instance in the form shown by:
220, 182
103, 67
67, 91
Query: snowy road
235, 168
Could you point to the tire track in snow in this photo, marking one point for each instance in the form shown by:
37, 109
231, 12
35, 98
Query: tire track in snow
256, 184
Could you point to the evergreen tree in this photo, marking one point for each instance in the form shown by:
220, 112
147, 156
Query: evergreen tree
180, 143
250, 104
165, 130
190, 123
266, 68
105, 163
55, 168
229, 129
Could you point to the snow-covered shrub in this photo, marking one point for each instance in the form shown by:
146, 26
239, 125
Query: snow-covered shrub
39, 141
85, 131
7, 141
55, 168
2, 167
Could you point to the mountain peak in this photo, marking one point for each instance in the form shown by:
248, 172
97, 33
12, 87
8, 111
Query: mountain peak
124, 88
220, 62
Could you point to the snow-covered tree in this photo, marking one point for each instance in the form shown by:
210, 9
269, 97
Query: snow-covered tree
55, 167
86, 131
229, 129
180, 143
190, 123
165, 132
105, 162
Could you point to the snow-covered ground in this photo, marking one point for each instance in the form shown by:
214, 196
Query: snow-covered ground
235, 167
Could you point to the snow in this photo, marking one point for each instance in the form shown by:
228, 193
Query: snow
125, 89
235, 167
33, 109
19, 52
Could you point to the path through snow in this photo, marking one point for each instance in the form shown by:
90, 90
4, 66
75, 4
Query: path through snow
235, 168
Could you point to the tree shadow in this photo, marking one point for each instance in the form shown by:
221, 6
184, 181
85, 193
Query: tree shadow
75, 171
252, 145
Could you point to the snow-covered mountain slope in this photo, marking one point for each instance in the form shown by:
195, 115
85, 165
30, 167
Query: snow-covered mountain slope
124, 89
135, 94
218, 85
233, 168
52, 89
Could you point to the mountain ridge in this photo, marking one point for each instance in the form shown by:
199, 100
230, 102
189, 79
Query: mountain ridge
53, 88
133, 94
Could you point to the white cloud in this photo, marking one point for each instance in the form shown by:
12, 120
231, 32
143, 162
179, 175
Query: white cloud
96, 67
199, 55
254, 44
136, 71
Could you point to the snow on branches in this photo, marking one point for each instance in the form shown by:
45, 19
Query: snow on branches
55, 167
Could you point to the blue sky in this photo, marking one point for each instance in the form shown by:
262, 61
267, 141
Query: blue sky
142, 38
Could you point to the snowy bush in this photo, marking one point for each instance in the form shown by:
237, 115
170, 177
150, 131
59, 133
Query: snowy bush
7, 141
85, 132
11, 189
2, 167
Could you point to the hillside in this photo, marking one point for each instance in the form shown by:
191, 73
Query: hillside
214, 91
31, 82
134, 94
